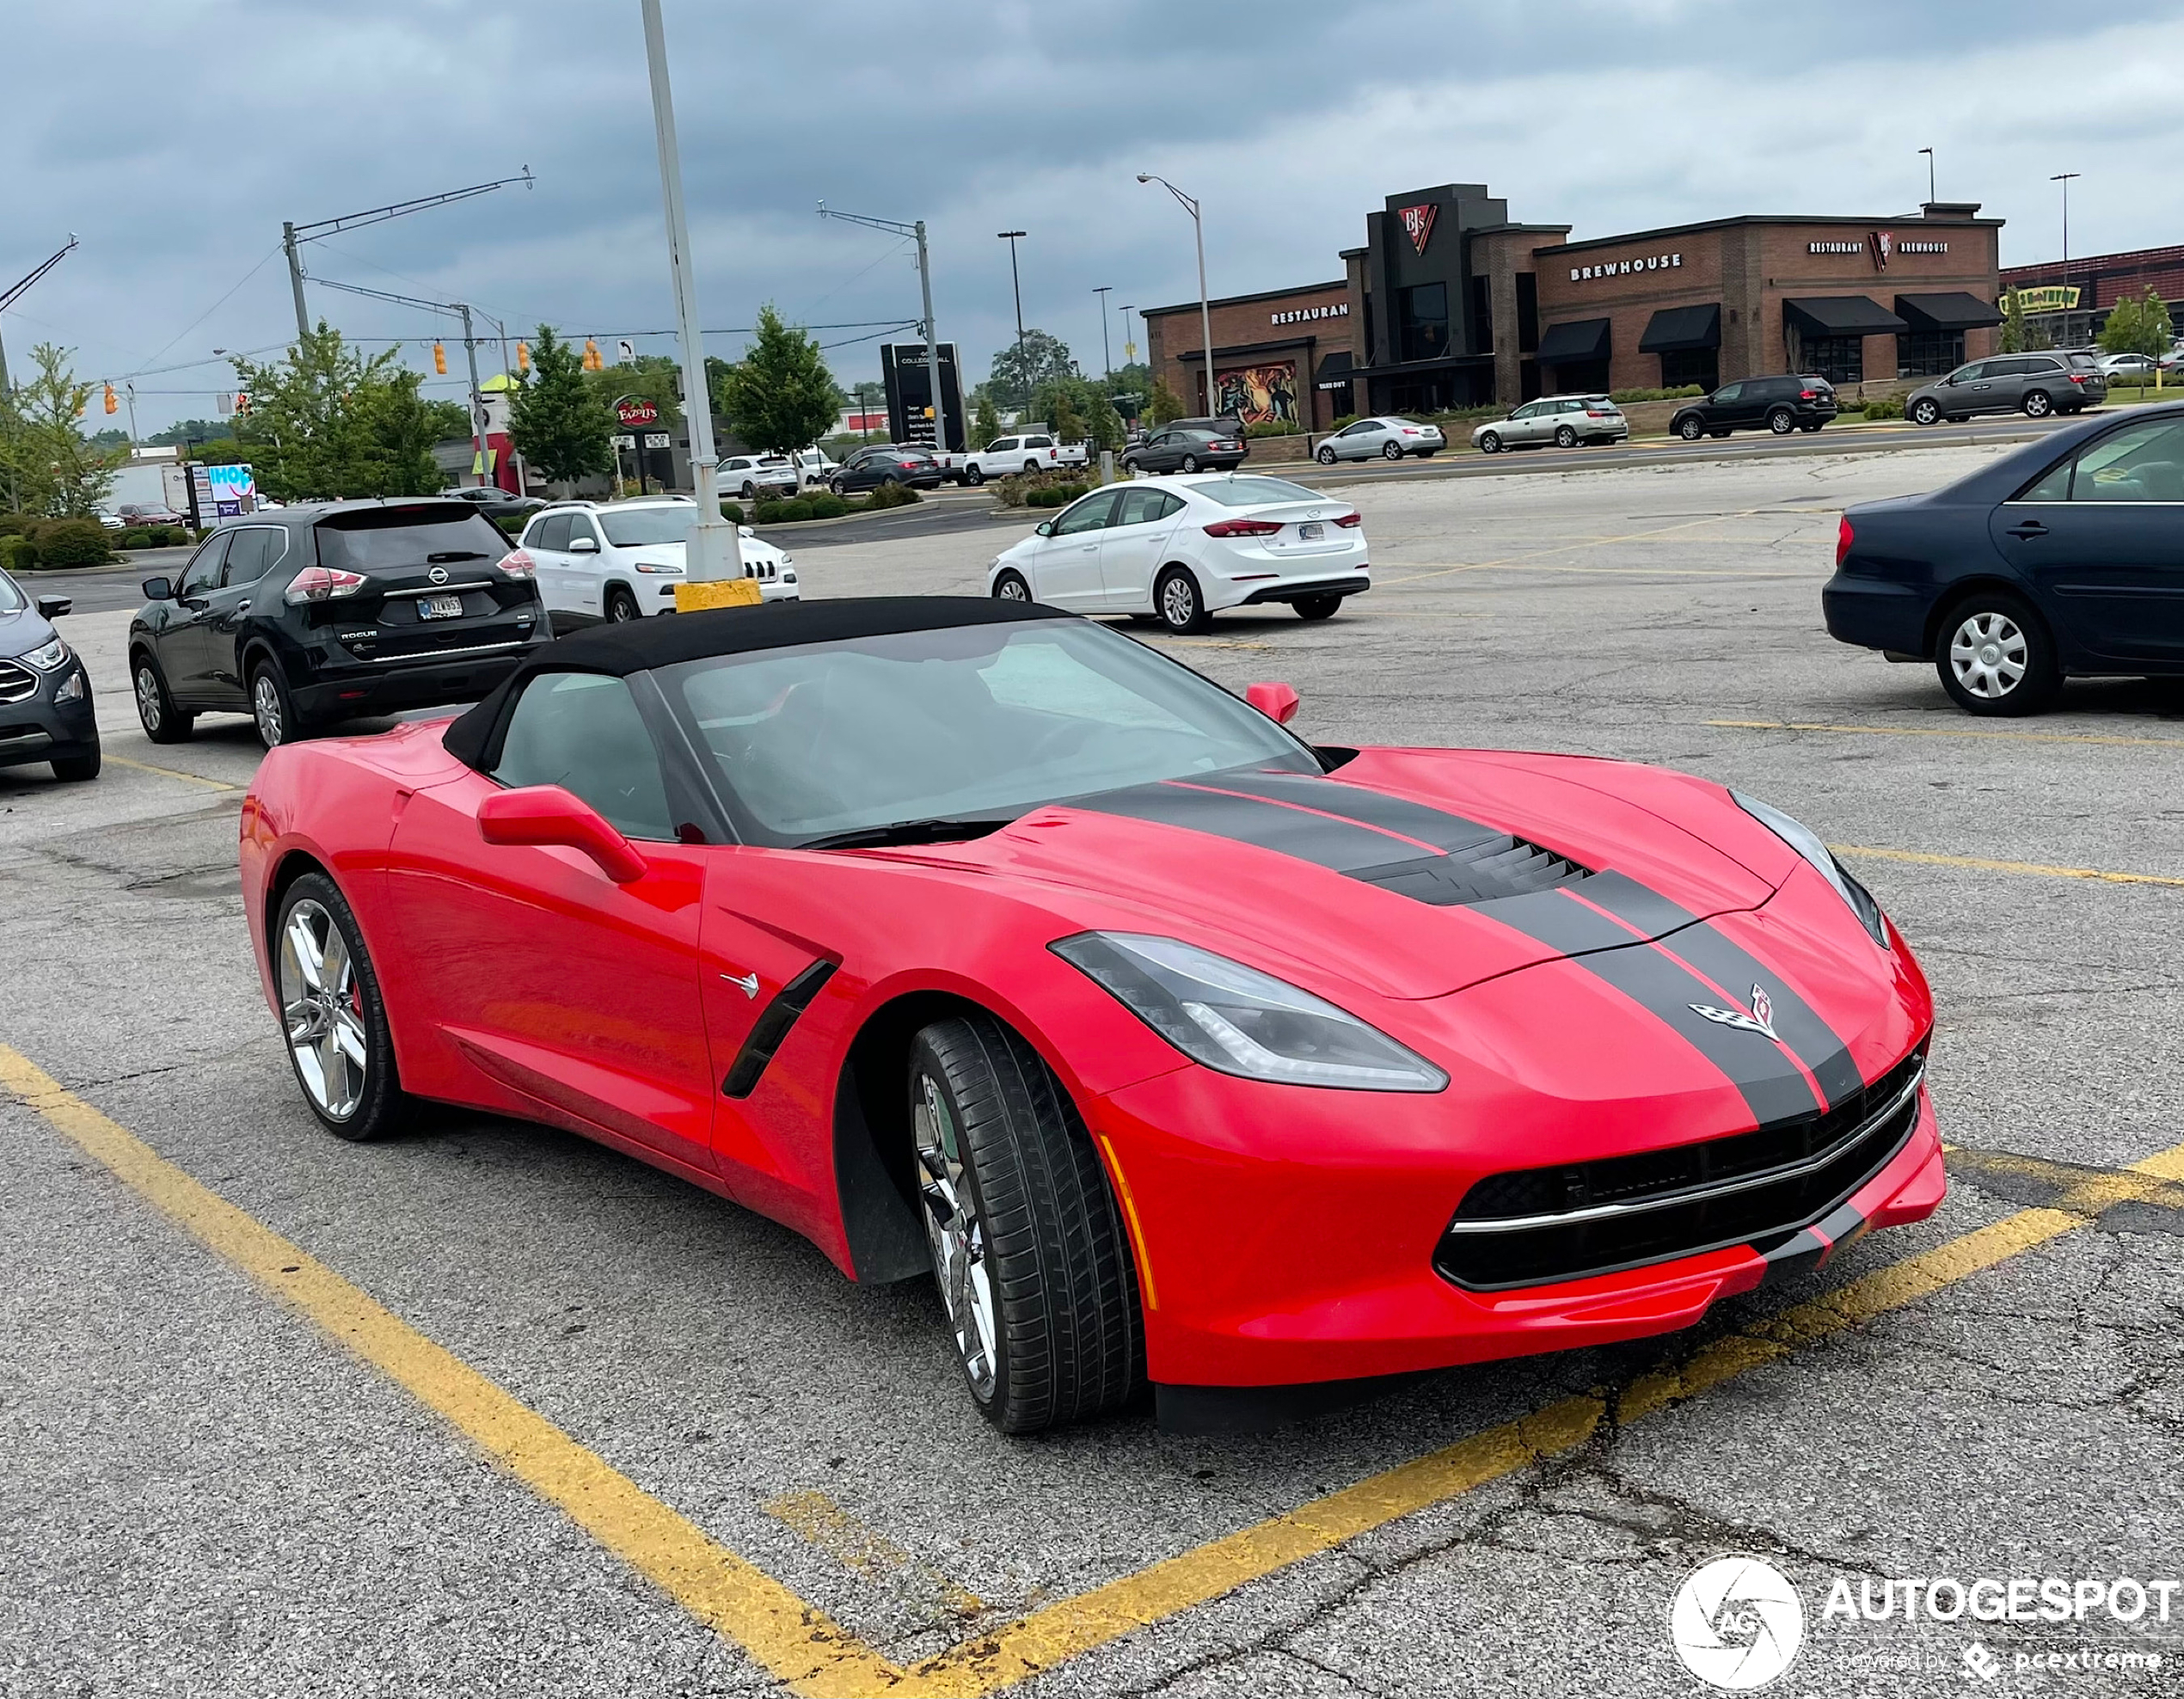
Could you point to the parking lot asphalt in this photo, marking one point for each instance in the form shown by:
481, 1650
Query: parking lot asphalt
489, 1409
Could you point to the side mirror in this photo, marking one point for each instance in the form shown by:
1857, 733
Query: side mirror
542, 815
53, 607
1276, 701
158, 589
583, 545
1046, 528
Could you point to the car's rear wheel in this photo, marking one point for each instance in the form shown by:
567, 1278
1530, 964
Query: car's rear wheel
332, 1014
1178, 601
750, 490
1391, 450
1028, 1246
1190, 462
1782, 421
621, 605
163, 722
1490, 442
1010, 587
1996, 656
2037, 404
971, 474
1690, 430
1316, 607
1325, 457
1926, 412
273, 708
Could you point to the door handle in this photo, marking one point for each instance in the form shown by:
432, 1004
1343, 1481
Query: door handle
2029, 528
1088, 548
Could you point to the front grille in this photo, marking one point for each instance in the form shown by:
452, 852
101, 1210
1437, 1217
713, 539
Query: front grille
17, 683
1535, 1226
1503, 866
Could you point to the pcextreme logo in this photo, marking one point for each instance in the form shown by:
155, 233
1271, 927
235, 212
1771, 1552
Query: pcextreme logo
1737, 1623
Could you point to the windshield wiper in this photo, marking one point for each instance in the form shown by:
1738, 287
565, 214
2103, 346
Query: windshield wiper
939, 829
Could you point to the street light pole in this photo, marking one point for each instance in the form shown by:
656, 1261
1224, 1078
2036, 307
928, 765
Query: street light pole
1023, 365
1106, 354
2063, 178
1205, 309
713, 552
1129, 335
1928, 152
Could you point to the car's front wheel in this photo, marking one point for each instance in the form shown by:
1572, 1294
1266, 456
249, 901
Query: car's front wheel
1010, 587
1996, 656
1325, 457
1490, 442
1028, 1246
1178, 601
78, 769
622, 606
1927, 411
836, 487
163, 722
332, 1013
1690, 430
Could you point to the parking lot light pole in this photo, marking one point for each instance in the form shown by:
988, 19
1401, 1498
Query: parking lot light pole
1205, 310
713, 552
1023, 366
2063, 178
1106, 354
1928, 152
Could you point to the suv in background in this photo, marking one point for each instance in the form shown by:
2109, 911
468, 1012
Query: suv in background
754, 476
1563, 420
1777, 404
2033, 384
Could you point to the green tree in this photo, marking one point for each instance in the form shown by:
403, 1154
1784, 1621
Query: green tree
2012, 339
326, 422
986, 423
190, 430
447, 420
780, 396
2140, 326
557, 422
1163, 405
1019, 369
48, 464
398, 429
652, 377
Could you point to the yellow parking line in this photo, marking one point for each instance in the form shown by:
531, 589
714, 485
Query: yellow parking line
1946, 732
168, 772
1983, 865
798, 1643
817, 1520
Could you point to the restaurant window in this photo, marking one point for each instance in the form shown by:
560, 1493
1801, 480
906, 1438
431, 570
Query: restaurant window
1840, 359
1422, 320
1481, 316
1929, 353
1527, 312
1685, 366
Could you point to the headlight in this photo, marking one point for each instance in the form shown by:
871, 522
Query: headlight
49, 656
1806, 842
657, 567
1239, 1021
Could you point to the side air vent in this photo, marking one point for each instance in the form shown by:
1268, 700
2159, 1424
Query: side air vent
1503, 866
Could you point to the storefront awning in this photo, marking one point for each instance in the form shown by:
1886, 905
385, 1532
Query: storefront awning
1567, 344
1842, 315
1672, 330
1956, 312
1334, 372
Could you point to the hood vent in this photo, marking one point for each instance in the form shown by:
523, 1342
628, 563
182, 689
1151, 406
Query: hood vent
1503, 866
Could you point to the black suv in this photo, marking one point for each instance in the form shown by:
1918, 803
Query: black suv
307, 615
1778, 404
1186, 448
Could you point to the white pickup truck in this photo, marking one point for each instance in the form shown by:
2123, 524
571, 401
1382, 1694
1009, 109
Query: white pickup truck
1004, 457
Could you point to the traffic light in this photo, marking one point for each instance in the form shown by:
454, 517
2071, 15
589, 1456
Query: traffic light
111, 405
591, 360
439, 358
523, 355
242, 402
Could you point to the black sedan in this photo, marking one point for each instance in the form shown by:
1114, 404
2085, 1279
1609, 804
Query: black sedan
887, 464
1191, 448
45, 693
494, 502
309, 615
2063, 559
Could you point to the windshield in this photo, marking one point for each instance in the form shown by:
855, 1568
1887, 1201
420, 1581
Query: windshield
982, 721
12, 600
636, 526
1254, 492
389, 538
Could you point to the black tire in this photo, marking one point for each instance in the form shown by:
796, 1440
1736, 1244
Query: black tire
163, 722
750, 490
1690, 430
1179, 602
2037, 404
383, 1107
274, 708
1565, 436
1980, 639
1391, 450
1316, 607
994, 1128
1325, 455
621, 606
1490, 442
1717, 435
1190, 462
1814, 426
1010, 587
1782, 421
1926, 411
973, 476
75, 769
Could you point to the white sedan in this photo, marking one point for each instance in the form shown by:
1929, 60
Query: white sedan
1388, 438
621, 560
1181, 548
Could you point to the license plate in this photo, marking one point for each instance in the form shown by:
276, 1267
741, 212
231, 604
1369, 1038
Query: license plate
1311, 533
440, 607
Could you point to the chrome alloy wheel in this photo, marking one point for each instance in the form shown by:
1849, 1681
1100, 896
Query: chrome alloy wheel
322, 1004
1988, 655
1178, 601
148, 708
1014, 590
956, 1234
265, 704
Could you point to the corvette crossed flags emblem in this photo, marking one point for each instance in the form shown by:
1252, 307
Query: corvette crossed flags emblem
1759, 1019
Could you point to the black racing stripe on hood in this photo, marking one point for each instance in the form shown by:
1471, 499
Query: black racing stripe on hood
1736, 970
1773, 1086
1435, 826
1339, 845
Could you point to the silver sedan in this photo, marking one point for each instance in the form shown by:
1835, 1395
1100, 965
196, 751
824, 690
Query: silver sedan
1389, 438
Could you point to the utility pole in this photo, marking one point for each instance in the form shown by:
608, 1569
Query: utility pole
477, 404
295, 278
1204, 309
926, 328
1129, 334
1107, 354
1023, 364
715, 551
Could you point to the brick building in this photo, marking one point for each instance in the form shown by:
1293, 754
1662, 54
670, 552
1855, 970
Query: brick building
1451, 303
2067, 301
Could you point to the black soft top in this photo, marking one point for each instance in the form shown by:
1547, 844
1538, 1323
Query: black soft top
644, 644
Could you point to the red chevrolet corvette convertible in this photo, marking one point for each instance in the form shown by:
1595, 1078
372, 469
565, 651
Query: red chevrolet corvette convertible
969, 938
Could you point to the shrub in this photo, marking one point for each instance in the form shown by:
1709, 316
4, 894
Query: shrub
133, 537
1274, 427
173, 536
784, 512
73, 542
1343, 422
732, 513
1017, 491
18, 553
1889, 407
1625, 397
892, 495
1056, 495
826, 505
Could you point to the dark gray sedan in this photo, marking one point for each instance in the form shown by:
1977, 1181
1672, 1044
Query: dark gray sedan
45, 693
1186, 449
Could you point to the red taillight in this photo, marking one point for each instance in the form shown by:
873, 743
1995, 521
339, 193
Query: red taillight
1349, 520
1407, 432
322, 584
1243, 528
2077, 377
1844, 536
518, 564
1808, 395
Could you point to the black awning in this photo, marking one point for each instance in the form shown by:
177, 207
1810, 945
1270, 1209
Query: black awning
1953, 311
1567, 344
1842, 315
1673, 329
1334, 371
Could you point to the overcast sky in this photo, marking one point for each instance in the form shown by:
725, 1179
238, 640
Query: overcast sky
173, 138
